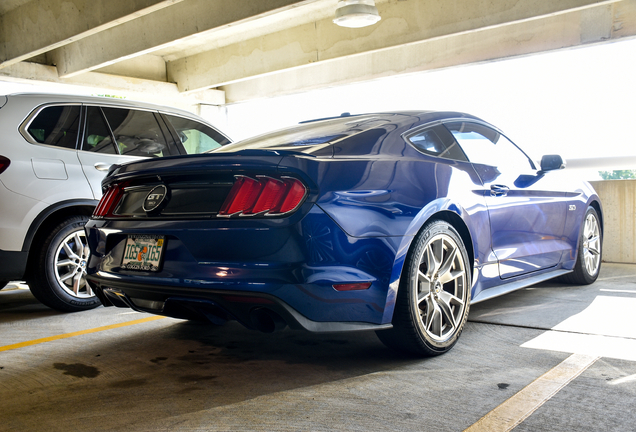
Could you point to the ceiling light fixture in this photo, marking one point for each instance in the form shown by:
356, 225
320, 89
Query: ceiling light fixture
356, 13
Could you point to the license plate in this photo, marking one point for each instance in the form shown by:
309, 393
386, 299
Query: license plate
143, 252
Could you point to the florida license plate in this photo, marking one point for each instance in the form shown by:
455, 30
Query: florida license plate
143, 252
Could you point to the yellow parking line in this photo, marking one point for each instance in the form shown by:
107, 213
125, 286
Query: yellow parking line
78, 333
519, 407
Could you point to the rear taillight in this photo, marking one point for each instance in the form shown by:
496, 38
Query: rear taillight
263, 196
109, 201
4, 164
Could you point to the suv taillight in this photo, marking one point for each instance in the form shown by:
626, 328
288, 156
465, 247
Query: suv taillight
4, 164
263, 196
109, 201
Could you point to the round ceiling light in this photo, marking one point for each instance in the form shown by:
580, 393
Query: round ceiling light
356, 13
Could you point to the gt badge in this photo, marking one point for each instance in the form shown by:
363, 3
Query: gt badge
155, 198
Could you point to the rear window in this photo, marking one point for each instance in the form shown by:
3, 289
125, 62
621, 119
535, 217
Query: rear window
308, 137
56, 125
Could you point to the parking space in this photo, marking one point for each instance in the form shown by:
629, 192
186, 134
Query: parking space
550, 357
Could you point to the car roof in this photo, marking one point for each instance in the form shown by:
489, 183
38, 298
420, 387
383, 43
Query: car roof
42, 98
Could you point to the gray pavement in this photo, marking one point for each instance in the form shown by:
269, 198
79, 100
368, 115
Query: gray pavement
170, 375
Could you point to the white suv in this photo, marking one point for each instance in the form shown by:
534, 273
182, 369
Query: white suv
54, 152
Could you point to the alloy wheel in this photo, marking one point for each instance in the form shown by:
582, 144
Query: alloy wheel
71, 257
591, 244
442, 288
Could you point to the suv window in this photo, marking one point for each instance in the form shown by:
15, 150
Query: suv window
487, 146
136, 132
196, 137
56, 125
98, 136
436, 141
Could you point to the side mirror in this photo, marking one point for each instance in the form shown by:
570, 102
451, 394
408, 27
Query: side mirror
552, 163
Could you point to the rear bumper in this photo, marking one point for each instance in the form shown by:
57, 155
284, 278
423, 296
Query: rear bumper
255, 310
293, 263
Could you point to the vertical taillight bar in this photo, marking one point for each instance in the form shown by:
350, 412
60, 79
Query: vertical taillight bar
4, 163
242, 196
295, 193
109, 200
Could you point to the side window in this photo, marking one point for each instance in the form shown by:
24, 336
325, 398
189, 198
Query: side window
56, 126
486, 146
97, 138
136, 132
196, 137
436, 141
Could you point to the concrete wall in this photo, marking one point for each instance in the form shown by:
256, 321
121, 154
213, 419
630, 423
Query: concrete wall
619, 207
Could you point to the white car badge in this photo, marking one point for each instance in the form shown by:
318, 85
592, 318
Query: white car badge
155, 198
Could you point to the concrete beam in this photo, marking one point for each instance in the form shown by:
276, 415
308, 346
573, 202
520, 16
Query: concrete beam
604, 22
602, 163
157, 92
403, 24
149, 67
42, 25
187, 19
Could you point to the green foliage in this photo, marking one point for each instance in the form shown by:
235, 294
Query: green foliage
618, 174
109, 96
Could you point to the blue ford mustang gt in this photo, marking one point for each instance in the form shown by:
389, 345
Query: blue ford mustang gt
393, 222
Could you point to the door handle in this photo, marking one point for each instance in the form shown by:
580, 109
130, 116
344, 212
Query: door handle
499, 190
101, 166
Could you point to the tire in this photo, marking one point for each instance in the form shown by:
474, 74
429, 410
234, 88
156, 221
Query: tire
58, 278
589, 253
434, 294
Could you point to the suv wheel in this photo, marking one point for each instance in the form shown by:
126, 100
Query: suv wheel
59, 276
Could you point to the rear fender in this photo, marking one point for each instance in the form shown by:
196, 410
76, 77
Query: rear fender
473, 227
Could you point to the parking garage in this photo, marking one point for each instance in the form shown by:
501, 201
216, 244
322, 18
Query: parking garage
547, 357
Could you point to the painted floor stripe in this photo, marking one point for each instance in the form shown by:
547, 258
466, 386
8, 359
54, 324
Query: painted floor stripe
519, 407
78, 333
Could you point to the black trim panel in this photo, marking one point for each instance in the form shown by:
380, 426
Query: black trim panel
13, 265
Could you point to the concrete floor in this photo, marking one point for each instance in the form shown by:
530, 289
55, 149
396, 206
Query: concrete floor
170, 375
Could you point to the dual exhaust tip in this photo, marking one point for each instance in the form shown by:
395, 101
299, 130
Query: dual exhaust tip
266, 321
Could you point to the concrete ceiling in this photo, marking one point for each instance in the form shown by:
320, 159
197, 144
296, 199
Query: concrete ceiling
221, 51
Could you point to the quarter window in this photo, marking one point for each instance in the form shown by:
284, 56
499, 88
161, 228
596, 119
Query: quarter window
57, 126
196, 137
436, 141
